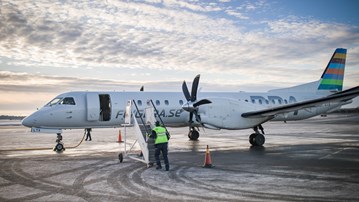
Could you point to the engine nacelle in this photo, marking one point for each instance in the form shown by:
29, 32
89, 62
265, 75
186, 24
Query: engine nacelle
226, 113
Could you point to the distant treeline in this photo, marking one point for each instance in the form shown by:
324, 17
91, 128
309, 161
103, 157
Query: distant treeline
7, 117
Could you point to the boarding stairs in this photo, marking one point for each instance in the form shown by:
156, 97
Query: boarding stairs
142, 130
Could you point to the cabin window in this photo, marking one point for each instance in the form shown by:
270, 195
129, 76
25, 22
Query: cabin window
246, 100
280, 102
260, 102
180, 102
166, 102
267, 102
105, 107
158, 102
273, 101
285, 101
68, 101
253, 101
139, 102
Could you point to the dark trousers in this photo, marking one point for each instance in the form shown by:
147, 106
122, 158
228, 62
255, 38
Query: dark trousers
88, 136
162, 147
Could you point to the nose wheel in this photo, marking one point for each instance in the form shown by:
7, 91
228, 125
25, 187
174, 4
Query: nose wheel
59, 147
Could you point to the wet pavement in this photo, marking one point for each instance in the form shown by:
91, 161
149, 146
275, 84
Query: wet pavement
311, 160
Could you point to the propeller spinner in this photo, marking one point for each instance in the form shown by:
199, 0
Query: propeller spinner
192, 104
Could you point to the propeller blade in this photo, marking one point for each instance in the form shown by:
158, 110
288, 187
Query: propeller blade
185, 91
195, 88
202, 102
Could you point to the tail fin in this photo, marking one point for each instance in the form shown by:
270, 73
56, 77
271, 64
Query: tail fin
333, 75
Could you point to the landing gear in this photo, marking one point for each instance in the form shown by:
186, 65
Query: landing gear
257, 138
193, 134
60, 145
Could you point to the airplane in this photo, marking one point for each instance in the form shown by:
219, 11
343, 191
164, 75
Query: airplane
213, 110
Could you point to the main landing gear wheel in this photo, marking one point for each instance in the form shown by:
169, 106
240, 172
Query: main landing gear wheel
193, 134
252, 138
256, 139
259, 139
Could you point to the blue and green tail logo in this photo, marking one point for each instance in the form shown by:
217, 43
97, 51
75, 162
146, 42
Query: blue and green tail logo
333, 75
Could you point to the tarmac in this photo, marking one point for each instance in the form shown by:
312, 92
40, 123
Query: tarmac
311, 160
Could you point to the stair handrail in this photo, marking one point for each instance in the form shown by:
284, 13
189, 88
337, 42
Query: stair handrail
143, 122
158, 115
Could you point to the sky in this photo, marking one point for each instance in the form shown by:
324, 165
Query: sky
51, 47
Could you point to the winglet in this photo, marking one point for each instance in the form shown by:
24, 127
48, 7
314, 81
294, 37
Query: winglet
333, 75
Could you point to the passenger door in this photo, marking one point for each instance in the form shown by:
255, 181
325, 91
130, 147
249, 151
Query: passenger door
93, 106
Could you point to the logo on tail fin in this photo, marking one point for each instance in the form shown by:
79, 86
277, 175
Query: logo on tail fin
333, 75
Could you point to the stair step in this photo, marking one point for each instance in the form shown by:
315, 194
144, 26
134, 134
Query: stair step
143, 130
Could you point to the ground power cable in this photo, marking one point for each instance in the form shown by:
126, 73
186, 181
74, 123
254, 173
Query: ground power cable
47, 148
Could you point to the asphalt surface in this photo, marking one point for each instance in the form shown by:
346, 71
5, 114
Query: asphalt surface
311, 160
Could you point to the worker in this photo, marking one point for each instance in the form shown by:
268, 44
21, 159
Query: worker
88, 135
161, 137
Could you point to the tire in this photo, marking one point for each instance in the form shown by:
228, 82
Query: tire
194, 135
259, 139
120, 157
252, 139
59, 147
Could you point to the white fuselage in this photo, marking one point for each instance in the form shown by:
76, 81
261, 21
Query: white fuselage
106, 109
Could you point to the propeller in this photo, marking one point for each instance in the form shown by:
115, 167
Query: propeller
192, 104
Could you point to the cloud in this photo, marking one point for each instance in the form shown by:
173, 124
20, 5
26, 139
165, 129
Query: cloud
137, 35
37, 83
236, 14
192, 5
119, 34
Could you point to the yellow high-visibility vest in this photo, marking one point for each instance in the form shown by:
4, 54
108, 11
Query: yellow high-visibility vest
161, 135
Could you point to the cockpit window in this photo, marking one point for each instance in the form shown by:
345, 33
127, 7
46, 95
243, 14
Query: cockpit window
54, 101
68, 101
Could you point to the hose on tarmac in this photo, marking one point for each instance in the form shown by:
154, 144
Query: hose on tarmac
44, 148
83, 137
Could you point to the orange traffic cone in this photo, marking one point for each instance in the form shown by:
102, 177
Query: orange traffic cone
119, 136
207, 160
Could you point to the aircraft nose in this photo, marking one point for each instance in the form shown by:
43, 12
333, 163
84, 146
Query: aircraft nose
28, 121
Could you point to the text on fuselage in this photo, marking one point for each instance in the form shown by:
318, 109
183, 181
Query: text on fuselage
162, 113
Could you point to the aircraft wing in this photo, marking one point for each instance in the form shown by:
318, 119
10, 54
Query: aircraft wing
336, 97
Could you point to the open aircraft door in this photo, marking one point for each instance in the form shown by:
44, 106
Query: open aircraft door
93, 106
